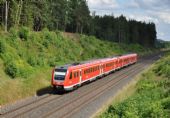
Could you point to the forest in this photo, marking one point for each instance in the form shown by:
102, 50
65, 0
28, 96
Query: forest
74, 16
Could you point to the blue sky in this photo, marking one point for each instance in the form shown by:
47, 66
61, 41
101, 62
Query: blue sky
157, 11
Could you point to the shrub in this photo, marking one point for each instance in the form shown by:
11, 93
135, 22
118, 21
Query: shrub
166, 103
2, 46
51, 62
46, 43
13, 33
40, 60
163, 67
32, 61
7, 57
24, 33
11, 69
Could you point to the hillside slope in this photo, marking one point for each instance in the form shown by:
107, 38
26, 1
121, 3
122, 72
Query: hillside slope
27, 58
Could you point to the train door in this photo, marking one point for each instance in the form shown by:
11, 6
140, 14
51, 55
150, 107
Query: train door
80, 81
101, 69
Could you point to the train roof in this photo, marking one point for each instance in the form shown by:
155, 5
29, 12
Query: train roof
82, 63
88, 62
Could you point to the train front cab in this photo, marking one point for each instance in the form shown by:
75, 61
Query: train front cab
58, 78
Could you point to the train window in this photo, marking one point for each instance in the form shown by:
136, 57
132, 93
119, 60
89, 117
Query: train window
61, 70
71, 75
77, 74
74, 74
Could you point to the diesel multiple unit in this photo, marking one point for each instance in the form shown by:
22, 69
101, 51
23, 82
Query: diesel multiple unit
71, 76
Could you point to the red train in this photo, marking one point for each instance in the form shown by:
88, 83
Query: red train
71, 76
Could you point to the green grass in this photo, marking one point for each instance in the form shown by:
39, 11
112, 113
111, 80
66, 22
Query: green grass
27, 58
151, 98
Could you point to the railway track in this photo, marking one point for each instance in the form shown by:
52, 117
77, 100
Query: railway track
67, 104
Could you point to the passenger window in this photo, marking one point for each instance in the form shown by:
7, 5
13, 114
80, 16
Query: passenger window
74, 74
77, 74
71, 75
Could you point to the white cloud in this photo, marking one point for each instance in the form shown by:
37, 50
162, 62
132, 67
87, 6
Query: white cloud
153, 4
162, 34
164, 16
102, 4
143, 18
132, 4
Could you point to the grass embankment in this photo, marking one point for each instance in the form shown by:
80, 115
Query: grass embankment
27, 58
151, 98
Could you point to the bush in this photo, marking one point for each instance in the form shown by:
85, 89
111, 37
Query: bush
2, 46
46, 43
51, 62
7, 57
11, 70
32, 61
163, 67
24, 33
13, 33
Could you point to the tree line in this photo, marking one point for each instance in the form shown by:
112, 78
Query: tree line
74, 16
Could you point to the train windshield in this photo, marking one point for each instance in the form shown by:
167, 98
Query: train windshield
60, 74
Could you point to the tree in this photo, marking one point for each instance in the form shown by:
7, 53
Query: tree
74, 16
80, 15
